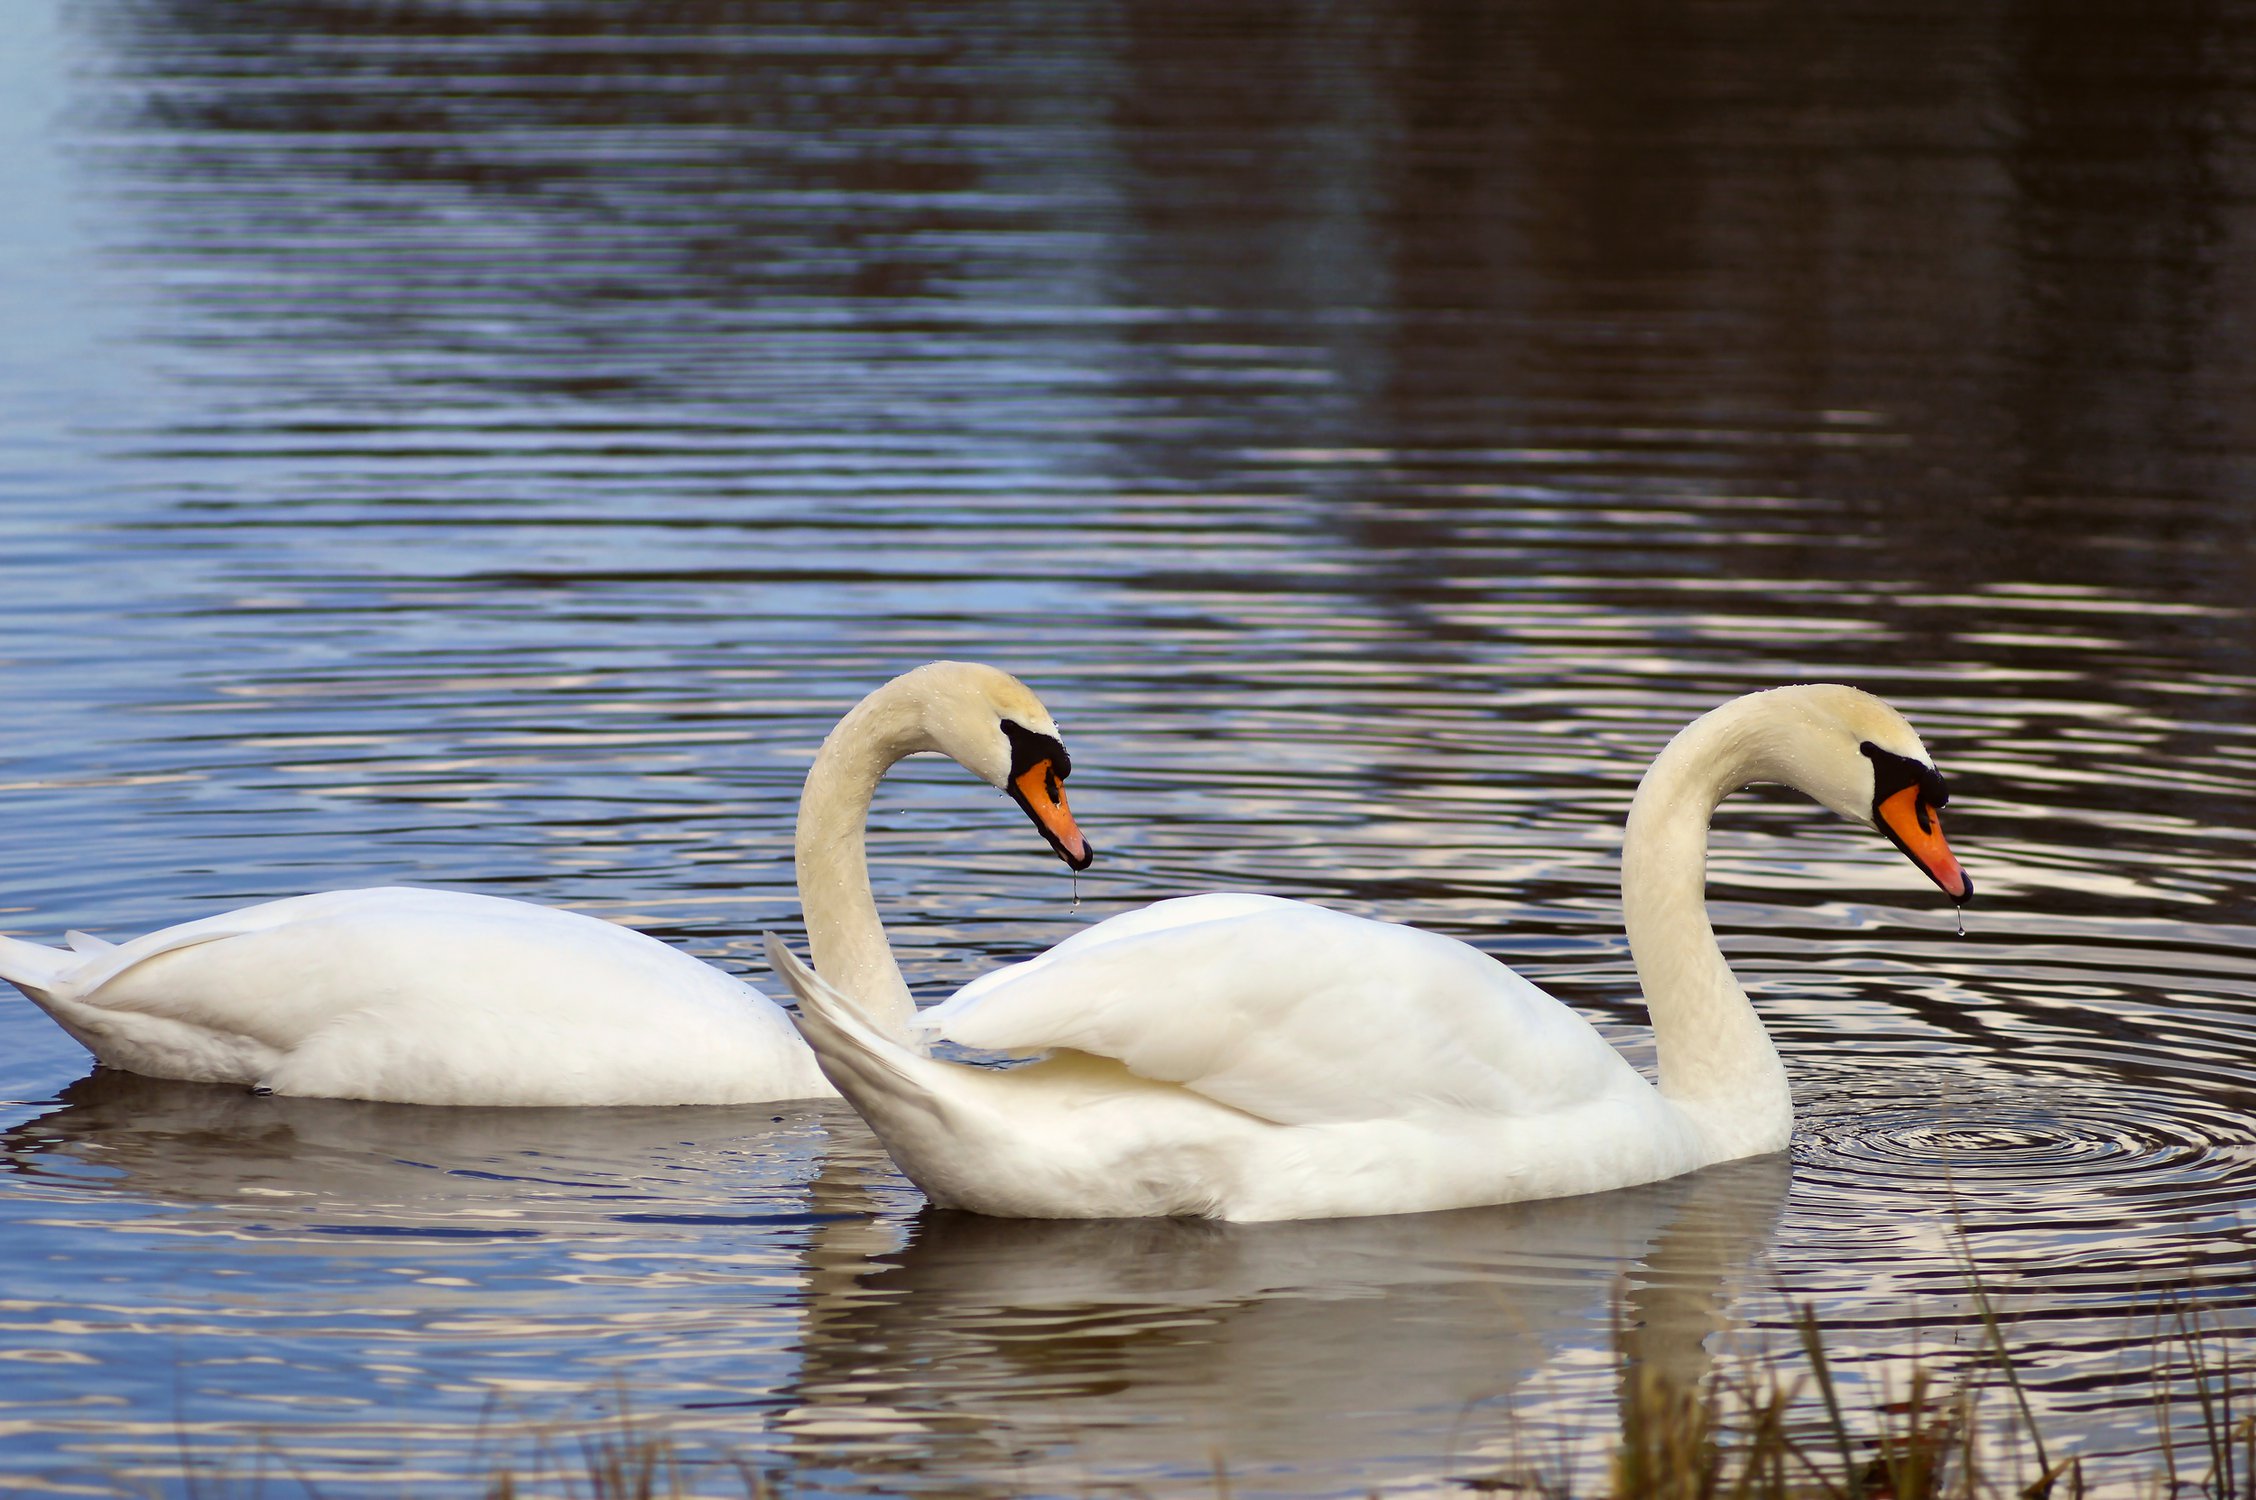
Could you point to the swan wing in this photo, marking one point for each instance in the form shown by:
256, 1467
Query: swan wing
1293, 1013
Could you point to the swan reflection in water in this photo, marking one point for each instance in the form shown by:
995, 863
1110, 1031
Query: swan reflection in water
760, 1280
405, 1169
1304, 1357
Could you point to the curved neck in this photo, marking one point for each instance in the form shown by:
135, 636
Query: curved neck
1716, 1061
849, 944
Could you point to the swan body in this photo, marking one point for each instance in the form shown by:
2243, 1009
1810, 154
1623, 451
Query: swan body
446, 997
1243, 1057
422, 997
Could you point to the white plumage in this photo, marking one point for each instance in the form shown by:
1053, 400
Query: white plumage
421, 997
1292, 1012
446, 997
1244, 1057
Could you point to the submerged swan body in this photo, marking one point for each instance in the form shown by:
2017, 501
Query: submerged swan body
446, 997
1245, 1057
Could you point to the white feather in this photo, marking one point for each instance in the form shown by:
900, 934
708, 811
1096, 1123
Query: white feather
1292, 1012
1243, 1057
444, 997
426, 997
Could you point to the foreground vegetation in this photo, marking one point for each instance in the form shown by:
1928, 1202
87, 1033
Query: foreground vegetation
1753, 1432
1744, 1435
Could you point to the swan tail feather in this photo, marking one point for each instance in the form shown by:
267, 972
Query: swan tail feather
35, 968
855, 1055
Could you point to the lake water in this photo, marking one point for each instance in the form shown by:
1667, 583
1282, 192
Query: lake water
486, 444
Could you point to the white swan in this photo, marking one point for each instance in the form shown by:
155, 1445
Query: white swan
445, 997
1243, 1057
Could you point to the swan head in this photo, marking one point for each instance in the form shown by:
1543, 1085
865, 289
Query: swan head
992, 725
1858, 756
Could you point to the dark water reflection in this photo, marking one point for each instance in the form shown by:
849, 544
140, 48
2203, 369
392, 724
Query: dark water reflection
1038, 1354
486, 444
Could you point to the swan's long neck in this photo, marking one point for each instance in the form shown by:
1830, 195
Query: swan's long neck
1716, 1061
849, 943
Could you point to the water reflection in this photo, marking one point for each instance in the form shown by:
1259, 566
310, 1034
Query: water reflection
271, 1166
1426, 223
365, 1291
758, 1277
1333, 1357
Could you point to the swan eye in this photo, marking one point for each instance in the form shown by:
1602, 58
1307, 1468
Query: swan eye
1030, 749
1891, 773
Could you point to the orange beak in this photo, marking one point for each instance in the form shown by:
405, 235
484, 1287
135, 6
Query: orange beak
1917, 829
1042, 794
